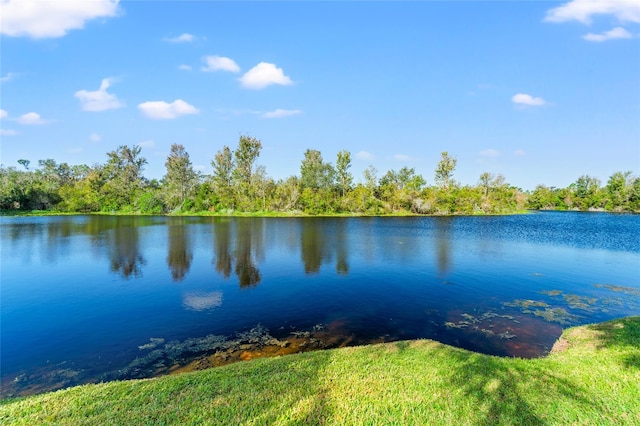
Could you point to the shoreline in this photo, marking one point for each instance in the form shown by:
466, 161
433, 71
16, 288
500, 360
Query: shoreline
406, 381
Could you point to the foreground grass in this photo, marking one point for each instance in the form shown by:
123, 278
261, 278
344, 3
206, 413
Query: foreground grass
594, 380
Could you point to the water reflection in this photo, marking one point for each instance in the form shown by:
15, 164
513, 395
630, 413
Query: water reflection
363, 280
124, 247
246, 270
320, 241
202, 300
342, 259
222, 243
443, 243
180, 252
313, 247
239, 241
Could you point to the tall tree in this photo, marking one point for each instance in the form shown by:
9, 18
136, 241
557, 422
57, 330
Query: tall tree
222, 178
343, 177
263, 185
444, 170
123, 176
619, 188
181, 179
484, 182
587, 191
245, 156
314, 172
286, 194
370, 176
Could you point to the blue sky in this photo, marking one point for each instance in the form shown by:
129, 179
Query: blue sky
541, 92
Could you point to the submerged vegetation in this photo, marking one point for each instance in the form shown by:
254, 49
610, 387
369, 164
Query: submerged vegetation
573, 306
237, 185
591, 377
500, 331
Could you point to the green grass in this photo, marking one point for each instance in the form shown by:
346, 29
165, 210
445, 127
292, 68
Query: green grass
236, 213
595, 380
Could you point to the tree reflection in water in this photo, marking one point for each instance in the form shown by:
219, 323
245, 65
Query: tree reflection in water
124, 246
222, 242
180, 253
313, 245
126, 258
443, 243
247, 272
317, 239
342, 259
247, 244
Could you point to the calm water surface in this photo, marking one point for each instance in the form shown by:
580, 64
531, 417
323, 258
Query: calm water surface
91, 298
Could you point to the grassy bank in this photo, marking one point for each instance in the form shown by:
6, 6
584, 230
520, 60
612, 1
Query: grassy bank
594, 378
241, 214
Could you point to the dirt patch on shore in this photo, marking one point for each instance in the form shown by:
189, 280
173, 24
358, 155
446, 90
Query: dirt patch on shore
560, 345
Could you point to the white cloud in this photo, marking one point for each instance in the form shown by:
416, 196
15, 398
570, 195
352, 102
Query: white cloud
31, 118
184, 67
99, 100
524, 99
94, 137
264, 74
8, 77
280, 113
227, 114
489, 153
3, 114
616, 33
365, 156
43, 19
405, 158
161, 110
519, 152
147, 143
584, 10
182, 38
219, 63
8, 132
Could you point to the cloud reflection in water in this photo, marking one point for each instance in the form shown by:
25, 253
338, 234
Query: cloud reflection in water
202, 300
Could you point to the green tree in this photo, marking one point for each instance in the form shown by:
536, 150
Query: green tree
24, 163
180, 179
286, 195
245, 157
586, 191
84, 194
444, 171
316, 180
123, 177
544, 198
314, 172
222, 178
619, 189
13, 184
484, 182
370, 176
634, 196
343, 177
401, 188
263, 185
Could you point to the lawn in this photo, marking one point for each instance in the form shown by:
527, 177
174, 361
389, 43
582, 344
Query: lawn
592, 377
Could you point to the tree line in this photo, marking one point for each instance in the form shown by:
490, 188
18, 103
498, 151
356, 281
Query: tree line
237, 184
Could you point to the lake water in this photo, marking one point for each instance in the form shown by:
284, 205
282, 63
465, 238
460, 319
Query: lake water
93, 298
